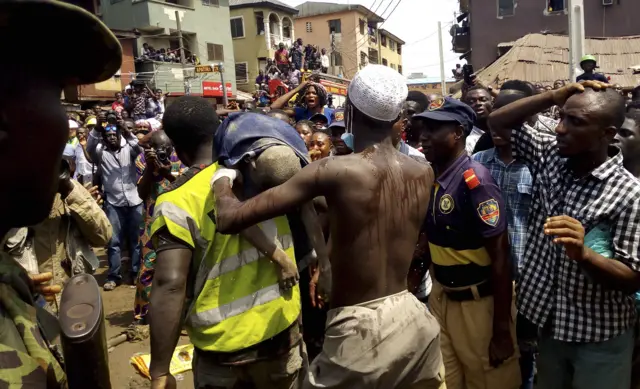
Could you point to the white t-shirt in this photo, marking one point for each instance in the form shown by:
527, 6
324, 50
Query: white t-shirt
324, 60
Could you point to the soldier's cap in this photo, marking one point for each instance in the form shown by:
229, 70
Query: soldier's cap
72, 45
447, 109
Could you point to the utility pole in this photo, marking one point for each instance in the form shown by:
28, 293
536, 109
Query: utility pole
576, 37
225, 99
443, 81
183, 60
333, 52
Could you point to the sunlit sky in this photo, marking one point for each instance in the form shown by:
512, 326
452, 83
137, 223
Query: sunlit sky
415, 22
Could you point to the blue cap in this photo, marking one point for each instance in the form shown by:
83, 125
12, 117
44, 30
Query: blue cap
447, 109
337, 124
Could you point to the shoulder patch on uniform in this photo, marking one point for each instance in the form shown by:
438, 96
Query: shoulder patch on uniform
489, 212
471, 179
436, 104
446, 204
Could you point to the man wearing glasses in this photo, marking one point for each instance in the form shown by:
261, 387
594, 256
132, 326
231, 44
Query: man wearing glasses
114, 150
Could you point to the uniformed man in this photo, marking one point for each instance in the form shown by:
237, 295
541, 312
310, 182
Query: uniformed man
33, 123
466, 231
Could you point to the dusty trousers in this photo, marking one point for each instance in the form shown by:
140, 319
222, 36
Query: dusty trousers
391, 342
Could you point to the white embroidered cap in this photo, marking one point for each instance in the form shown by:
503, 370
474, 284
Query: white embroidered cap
378, 92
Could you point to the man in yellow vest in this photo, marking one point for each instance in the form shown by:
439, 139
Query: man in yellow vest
241, 310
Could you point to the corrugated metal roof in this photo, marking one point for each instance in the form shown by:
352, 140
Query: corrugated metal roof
263, 3
428, 80
311, 8
545, 58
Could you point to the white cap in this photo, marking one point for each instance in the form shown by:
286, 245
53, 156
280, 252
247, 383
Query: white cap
378, 92
73, 124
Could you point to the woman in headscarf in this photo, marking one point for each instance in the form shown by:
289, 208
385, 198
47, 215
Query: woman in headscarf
311, 100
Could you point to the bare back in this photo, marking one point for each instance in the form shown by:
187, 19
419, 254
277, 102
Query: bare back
377, 203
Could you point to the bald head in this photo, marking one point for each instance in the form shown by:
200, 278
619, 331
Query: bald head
607, 106
159, 139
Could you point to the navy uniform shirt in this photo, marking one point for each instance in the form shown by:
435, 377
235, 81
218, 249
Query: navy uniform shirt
592, 77
466, 207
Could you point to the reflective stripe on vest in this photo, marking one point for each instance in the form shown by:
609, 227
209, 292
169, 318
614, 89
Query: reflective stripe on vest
245, 257
236, 307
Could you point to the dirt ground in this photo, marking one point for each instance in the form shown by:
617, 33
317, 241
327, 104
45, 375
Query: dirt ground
118, 310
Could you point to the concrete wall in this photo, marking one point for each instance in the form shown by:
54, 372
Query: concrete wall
253, 46
349, 43
392, 56
430, 88
202, 24
487, 29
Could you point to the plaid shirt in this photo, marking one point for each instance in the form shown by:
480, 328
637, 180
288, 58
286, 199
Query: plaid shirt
514, 181
554, 291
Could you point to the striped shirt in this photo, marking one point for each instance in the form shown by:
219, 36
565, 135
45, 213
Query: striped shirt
514, 181
554, 291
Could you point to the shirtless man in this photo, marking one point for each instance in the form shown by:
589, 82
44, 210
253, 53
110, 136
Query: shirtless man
377, 201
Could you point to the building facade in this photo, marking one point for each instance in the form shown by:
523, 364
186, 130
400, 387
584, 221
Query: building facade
257, 27
350, 34
488, 23
428, 85
391, 50
205, 32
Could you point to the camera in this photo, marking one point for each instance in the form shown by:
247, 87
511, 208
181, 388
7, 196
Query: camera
163, 155
467, 74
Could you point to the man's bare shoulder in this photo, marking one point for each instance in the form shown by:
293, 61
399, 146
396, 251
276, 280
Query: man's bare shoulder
417, 167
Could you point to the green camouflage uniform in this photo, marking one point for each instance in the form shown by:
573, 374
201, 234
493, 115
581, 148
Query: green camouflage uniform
25, 359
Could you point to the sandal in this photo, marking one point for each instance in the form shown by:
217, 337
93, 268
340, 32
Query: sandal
109, 285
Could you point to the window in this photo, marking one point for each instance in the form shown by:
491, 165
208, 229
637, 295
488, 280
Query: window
361, 27
286, 28
383, 40
242, 76
335, 26
308, 26
260, 22
363, 58
392, 45
237, 27
393, 66
215, 52
384, 62
399, 49
506, 8
400, 69
215, 3
337, 58
556, 5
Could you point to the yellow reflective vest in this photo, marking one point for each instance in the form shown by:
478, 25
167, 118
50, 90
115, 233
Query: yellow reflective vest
237, 301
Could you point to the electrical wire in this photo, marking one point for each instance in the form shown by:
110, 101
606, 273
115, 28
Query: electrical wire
428, 36
382, 24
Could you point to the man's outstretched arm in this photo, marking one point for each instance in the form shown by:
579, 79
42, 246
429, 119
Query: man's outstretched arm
167, 302
233, 215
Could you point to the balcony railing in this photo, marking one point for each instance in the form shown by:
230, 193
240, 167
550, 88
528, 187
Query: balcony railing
275, 40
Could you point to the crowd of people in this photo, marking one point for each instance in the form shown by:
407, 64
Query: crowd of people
289, 65
401, 241
165, 55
